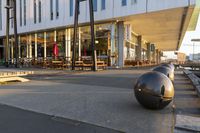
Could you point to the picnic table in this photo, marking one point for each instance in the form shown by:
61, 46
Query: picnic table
101, 65
88, 64
57, 64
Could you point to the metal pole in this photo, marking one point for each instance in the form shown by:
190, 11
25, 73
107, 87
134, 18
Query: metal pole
75, 33
193, 52
7, 32
15, 34
92, 35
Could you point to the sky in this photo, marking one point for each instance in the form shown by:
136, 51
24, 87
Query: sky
188, 46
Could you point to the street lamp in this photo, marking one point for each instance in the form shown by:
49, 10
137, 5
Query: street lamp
7, 7
14, 17
92, 33
15, 34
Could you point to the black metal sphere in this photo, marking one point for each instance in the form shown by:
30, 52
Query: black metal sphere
165, 70
171, 66
154, 90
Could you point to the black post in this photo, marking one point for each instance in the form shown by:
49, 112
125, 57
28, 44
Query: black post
77, 2
92, 34
7, 31
15, 34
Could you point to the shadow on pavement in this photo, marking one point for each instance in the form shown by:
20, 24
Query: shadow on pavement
14, 120
106, 81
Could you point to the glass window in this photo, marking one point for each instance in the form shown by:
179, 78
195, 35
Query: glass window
20, 12
51, 9
71, 5
23, 46
94, 5
133, 2
57, 9
24, 12
40, 46
40, 11
61, 43
49, 44
103, 4
33, 45
124, 2
35, 12
102, 42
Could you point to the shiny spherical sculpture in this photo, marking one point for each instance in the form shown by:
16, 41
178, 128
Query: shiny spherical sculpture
171, 66
154, 90
165, 70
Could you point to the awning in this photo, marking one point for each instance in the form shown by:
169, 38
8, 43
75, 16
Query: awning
164, 28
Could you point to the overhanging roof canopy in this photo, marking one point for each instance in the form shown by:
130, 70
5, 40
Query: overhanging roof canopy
195, 16
164, 28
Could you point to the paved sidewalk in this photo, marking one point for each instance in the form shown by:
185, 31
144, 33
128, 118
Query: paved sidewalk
104, 98
15, 120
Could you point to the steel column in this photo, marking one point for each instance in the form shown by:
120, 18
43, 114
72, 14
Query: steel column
7, 32
15, 34
75, 33
92, 33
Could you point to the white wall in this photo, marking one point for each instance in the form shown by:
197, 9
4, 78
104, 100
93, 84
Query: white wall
113, 11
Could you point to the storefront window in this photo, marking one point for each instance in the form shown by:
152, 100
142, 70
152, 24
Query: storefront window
2, 50
50, 42
23, 46
102, 42
33, 45
129, 51
144, 54
40, 45
12, 49
61, 43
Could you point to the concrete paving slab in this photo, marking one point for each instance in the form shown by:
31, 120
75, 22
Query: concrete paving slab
107, 103
187, 105
188, 123
15, 120
186, 98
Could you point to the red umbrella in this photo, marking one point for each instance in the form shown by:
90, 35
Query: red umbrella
55, 49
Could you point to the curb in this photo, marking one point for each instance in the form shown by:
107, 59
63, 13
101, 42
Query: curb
194, 79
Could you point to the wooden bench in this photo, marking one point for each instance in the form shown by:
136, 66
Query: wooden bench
82, 65
88, 64
57, 64
101, 64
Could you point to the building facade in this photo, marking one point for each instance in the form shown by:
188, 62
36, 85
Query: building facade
126, 30
194, 57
